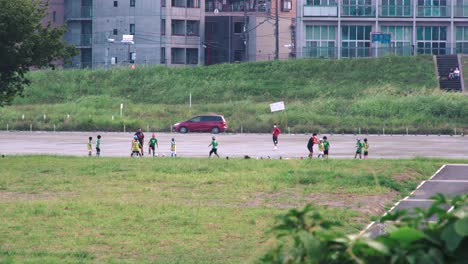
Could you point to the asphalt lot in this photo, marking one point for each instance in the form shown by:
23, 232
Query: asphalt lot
235, 145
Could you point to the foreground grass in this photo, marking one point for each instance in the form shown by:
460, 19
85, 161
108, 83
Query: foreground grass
117, 210
327, 95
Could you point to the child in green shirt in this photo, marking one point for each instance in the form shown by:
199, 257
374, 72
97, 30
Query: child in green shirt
214, 147
359, 146
153, 143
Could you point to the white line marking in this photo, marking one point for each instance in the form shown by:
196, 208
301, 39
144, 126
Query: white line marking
457, 164
420, 200
451, 181
437, 172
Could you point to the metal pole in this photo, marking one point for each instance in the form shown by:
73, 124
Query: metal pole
276, 31
190, 100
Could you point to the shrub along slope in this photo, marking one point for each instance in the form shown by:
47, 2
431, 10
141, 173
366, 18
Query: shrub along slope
327, 95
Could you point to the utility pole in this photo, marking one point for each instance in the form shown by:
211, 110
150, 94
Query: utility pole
246, 56
276, 31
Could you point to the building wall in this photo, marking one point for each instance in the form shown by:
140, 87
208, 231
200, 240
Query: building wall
55, 13
414, 29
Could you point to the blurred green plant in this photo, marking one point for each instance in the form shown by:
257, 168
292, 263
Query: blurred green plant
433, 235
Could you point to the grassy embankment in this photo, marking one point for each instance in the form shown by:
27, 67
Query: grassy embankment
326, 95
120, 210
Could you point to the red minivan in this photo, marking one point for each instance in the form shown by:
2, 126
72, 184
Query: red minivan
202, 123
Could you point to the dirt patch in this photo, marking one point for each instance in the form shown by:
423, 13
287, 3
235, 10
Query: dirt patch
368, 204
402, 177
16, 196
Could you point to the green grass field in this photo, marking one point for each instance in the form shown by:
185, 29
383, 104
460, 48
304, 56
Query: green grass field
121, 210
327, 95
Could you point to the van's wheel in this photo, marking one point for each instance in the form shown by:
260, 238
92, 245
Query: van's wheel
215, 130
183, 130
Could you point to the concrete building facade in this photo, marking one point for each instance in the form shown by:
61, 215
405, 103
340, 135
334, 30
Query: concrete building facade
177, 32
358, 28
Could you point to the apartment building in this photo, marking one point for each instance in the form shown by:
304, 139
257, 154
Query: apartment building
244, 30
365, 28
174, 32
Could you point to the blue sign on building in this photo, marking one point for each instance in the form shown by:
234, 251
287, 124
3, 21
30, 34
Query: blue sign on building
383, 38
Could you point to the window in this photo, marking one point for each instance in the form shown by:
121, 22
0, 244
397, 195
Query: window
320, 41
400, 39
178, 3
193, 28
193, 3
178, 27
238, 27
114, 31
54, 16
178, 57
399, 8
191, 56
357, 8
355, 41
132, 29
132, 3
163, 3
433, 8
286, 5
116, 3
321, 2
462, 39
431, 40
163, 26
196, 119
163, 55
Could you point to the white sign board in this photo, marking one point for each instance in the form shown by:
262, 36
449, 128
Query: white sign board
278, 106
127, 38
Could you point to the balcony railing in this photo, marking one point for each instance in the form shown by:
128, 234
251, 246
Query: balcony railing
354, 52
236, 7
330, 11
461, 11
433, 11
358, 10
80, 40
83, 12
396, 11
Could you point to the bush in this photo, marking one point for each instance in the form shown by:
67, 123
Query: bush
304, 236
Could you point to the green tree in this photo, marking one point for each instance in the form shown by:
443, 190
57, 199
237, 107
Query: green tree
26, 43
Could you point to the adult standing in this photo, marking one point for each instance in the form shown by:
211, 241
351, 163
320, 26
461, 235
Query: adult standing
276, 131
141, 139
214, 147
310, 144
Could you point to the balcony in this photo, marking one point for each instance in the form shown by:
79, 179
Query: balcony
85, 12
396, 11
80, 41
318, 11
358, 10
433, 11
236, 6
461, 11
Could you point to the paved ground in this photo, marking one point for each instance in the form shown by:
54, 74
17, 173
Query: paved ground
450, 180
234, 145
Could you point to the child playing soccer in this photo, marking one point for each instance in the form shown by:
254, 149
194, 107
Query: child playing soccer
90, 146
366, 149
98, 146
153, 143
136, 147
321, 149
214, 147
326, 146
359, 146
173, 148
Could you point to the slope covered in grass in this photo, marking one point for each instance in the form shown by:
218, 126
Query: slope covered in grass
301, 80
395, 93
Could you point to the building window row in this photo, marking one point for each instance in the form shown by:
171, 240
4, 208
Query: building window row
387, 8
356, 41
187, 56
185, 27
